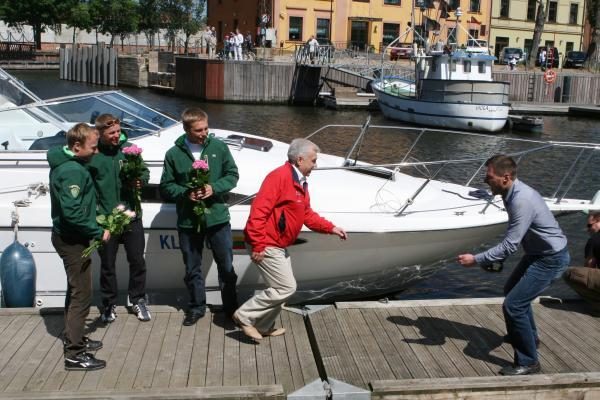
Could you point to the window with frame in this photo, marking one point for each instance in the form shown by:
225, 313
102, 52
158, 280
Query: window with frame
531, 9
295, 30
474, 5
552, 9
390, 32
504, 6
482, 30
391, 2
451, 35
467, 66
453, 4
322, 29
481, 67
573, 11
474, 33
569, 46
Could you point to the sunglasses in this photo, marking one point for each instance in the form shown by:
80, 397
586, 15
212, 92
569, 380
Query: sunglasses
590, 225
110, 123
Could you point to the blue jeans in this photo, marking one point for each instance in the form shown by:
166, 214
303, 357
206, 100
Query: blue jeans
529, 279
219, 240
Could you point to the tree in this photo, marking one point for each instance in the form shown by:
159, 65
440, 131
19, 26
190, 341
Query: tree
80, 18
150, 19
540, 19
116, 17
593, 56
182, 15
40, 14
194, 10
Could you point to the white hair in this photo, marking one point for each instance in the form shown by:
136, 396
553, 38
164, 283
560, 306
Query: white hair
300, 147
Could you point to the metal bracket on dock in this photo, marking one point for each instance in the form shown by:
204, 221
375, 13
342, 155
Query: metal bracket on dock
332, 389
307, 309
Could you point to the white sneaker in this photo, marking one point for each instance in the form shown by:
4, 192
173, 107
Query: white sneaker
109, 314
141, 310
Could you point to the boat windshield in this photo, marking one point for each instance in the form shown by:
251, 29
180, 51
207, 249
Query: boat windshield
136, 118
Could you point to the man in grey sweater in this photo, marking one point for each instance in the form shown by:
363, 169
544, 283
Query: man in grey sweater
530, 223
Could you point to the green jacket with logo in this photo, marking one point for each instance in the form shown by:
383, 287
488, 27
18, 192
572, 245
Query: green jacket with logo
105, 169
72, 196
176, 176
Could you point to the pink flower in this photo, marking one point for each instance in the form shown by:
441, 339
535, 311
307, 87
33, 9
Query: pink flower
129, 213
132, 150
200, 164
120, 207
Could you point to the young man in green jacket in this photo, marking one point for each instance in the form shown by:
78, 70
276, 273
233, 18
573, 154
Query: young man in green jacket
196, 144
73, 208
112, 190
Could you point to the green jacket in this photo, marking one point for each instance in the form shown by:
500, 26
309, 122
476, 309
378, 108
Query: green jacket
105, 169
72, 196
176, 176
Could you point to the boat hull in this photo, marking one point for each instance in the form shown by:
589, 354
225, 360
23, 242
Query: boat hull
448, 115
367, 265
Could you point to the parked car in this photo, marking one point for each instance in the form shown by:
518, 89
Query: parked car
549, 57
509, 52
477, 46
574, 59
401, 51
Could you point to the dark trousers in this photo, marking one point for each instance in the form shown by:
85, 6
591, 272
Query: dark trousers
79, 290
529, 279
134, 243
218, 239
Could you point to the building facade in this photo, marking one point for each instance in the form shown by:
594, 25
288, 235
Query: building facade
513, 22
352, 23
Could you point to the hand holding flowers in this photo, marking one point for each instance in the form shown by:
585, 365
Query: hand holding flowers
199, 176
115, 223
132, 171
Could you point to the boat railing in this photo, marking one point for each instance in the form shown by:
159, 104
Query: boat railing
567, 180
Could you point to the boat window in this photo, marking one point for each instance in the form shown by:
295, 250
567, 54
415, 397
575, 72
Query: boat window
481, 65
467, 66
453, 65
249, 142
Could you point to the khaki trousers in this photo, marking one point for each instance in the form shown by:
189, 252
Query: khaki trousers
264, 307
586, 282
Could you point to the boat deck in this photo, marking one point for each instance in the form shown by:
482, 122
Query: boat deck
404, 349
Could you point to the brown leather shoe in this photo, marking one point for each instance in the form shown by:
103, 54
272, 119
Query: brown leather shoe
274, 332
248, 330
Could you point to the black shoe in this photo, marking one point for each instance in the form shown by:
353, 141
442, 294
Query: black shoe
191, 318
521, 370
90, 344
83, 362
506, 339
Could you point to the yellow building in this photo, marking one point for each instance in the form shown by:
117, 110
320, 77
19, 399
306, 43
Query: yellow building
513, 22
354, 23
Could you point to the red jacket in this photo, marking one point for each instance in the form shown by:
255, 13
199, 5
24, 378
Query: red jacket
279, 210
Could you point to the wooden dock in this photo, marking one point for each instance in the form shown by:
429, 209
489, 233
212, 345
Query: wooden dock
433, 349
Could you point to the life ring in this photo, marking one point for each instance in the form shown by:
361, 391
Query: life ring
549, 76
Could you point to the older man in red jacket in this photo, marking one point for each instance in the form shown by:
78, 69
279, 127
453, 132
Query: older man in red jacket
281, 207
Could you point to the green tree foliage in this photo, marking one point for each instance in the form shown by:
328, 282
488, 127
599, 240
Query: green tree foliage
182, 15
116, 17
150, 19
80, 18
40, 14
593, 57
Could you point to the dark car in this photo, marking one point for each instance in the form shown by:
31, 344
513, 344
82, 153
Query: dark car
509, 52
574, 59
551, 57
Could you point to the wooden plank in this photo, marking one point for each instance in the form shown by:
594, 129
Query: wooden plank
453, 343
34, 360
360, 355
13, 328
5, 321
231, 352
408, 362
558, 357
248, 368
164, 366
183, 354
198, 364
281, 363
22, 353
214, 372
292, 350
134, 355
145, 373
264, 363
110, 335
17, 341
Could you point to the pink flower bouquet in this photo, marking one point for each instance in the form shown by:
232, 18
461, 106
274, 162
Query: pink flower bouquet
116, 223
133, 170
199, 178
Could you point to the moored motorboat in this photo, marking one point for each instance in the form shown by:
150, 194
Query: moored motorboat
402, 227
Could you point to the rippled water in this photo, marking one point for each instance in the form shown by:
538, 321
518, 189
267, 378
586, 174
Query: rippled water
285, 123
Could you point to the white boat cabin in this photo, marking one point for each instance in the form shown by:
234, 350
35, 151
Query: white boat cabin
458, 65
